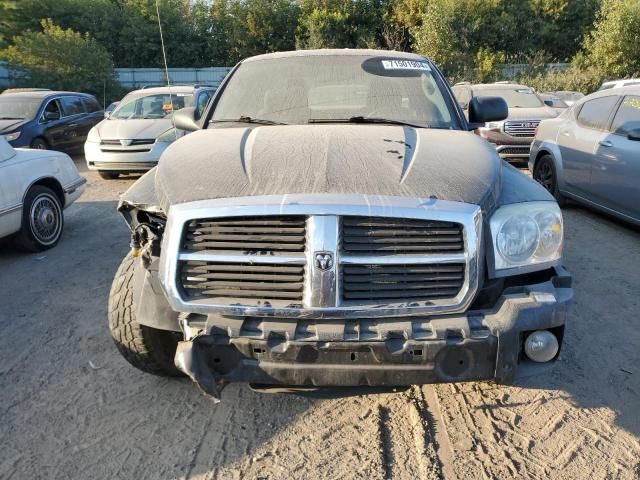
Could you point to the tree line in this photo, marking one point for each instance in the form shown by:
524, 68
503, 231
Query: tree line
468, 39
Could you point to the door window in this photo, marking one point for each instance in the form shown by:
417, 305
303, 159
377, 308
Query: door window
91, 104
595, 113
628, 116
52, 110
72, 105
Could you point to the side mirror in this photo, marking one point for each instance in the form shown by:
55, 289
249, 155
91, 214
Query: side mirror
185, 119
486, 109
49, 116
634, 134
548, 103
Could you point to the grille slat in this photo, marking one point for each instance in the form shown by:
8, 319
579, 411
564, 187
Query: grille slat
242, 281
383, 236
271, 235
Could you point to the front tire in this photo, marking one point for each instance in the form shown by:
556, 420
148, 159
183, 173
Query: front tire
42, 220
545, 174
148, 349
39, 144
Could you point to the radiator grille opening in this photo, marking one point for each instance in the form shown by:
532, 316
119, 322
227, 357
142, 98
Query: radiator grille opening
277, 284
393, 236
281, 235
393, 283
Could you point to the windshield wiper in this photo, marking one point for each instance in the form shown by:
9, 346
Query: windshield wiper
361, 119
244, 119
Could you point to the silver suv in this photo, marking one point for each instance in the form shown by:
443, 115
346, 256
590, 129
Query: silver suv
513, 136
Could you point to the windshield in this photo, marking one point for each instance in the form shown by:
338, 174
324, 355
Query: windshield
326, 88
18, 108
516, 97
151, 106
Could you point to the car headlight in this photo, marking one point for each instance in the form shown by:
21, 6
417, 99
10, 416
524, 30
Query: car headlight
93, 136
527, 234
9, 137
171, 135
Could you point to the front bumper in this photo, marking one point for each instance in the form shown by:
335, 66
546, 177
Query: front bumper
477, 345
126, 159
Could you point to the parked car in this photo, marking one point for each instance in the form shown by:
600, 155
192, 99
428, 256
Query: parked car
591, 153
35, 187
619, 83
48, 120
512, 137
333, 221
110, 109
554, 102
134, 135
567, 96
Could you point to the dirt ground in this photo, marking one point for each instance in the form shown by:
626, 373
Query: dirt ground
72, 408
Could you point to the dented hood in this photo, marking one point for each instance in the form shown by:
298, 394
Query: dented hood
349, 159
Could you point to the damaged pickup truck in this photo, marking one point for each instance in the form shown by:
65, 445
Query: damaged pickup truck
332, 221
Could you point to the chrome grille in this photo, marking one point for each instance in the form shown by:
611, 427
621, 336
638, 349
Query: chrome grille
384, 236
266, 235
321, 256
521, 128
270, 284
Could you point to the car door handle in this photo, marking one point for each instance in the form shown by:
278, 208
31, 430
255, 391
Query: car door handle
606, 143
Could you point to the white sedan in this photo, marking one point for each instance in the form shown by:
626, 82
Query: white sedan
35, 187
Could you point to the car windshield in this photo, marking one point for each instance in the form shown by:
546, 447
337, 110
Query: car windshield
159, 105
516, 97
335, 88
18, 108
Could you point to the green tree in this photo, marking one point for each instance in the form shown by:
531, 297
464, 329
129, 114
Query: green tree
340, 23
613, 45
61, 59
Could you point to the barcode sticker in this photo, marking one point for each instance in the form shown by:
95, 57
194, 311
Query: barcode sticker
405, 65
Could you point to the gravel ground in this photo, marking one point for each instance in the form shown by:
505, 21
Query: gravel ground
71, 407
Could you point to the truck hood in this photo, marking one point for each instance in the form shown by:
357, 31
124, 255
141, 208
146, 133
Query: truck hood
348, 159
134, 129
531, 113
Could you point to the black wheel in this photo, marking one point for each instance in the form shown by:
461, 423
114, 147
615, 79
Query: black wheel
108, 175
545, 174
39, 144
148, 349
42, 220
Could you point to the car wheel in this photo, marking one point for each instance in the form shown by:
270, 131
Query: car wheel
108, 175
42, 220
148, 349
545, 174
40, 144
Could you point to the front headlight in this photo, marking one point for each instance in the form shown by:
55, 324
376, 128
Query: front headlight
93, 136
527, 234
171, 135
9, 137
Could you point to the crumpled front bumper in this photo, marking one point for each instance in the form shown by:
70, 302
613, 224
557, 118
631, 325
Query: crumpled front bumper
477, 345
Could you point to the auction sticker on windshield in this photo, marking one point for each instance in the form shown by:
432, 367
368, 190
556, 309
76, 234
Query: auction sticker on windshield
405, 65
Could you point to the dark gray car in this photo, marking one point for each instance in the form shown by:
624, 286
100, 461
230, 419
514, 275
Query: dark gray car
591, 153
334, 222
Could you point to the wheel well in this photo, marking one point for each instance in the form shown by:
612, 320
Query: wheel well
39, 137
54, 185
540, 154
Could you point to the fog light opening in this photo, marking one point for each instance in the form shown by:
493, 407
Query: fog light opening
541, 346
